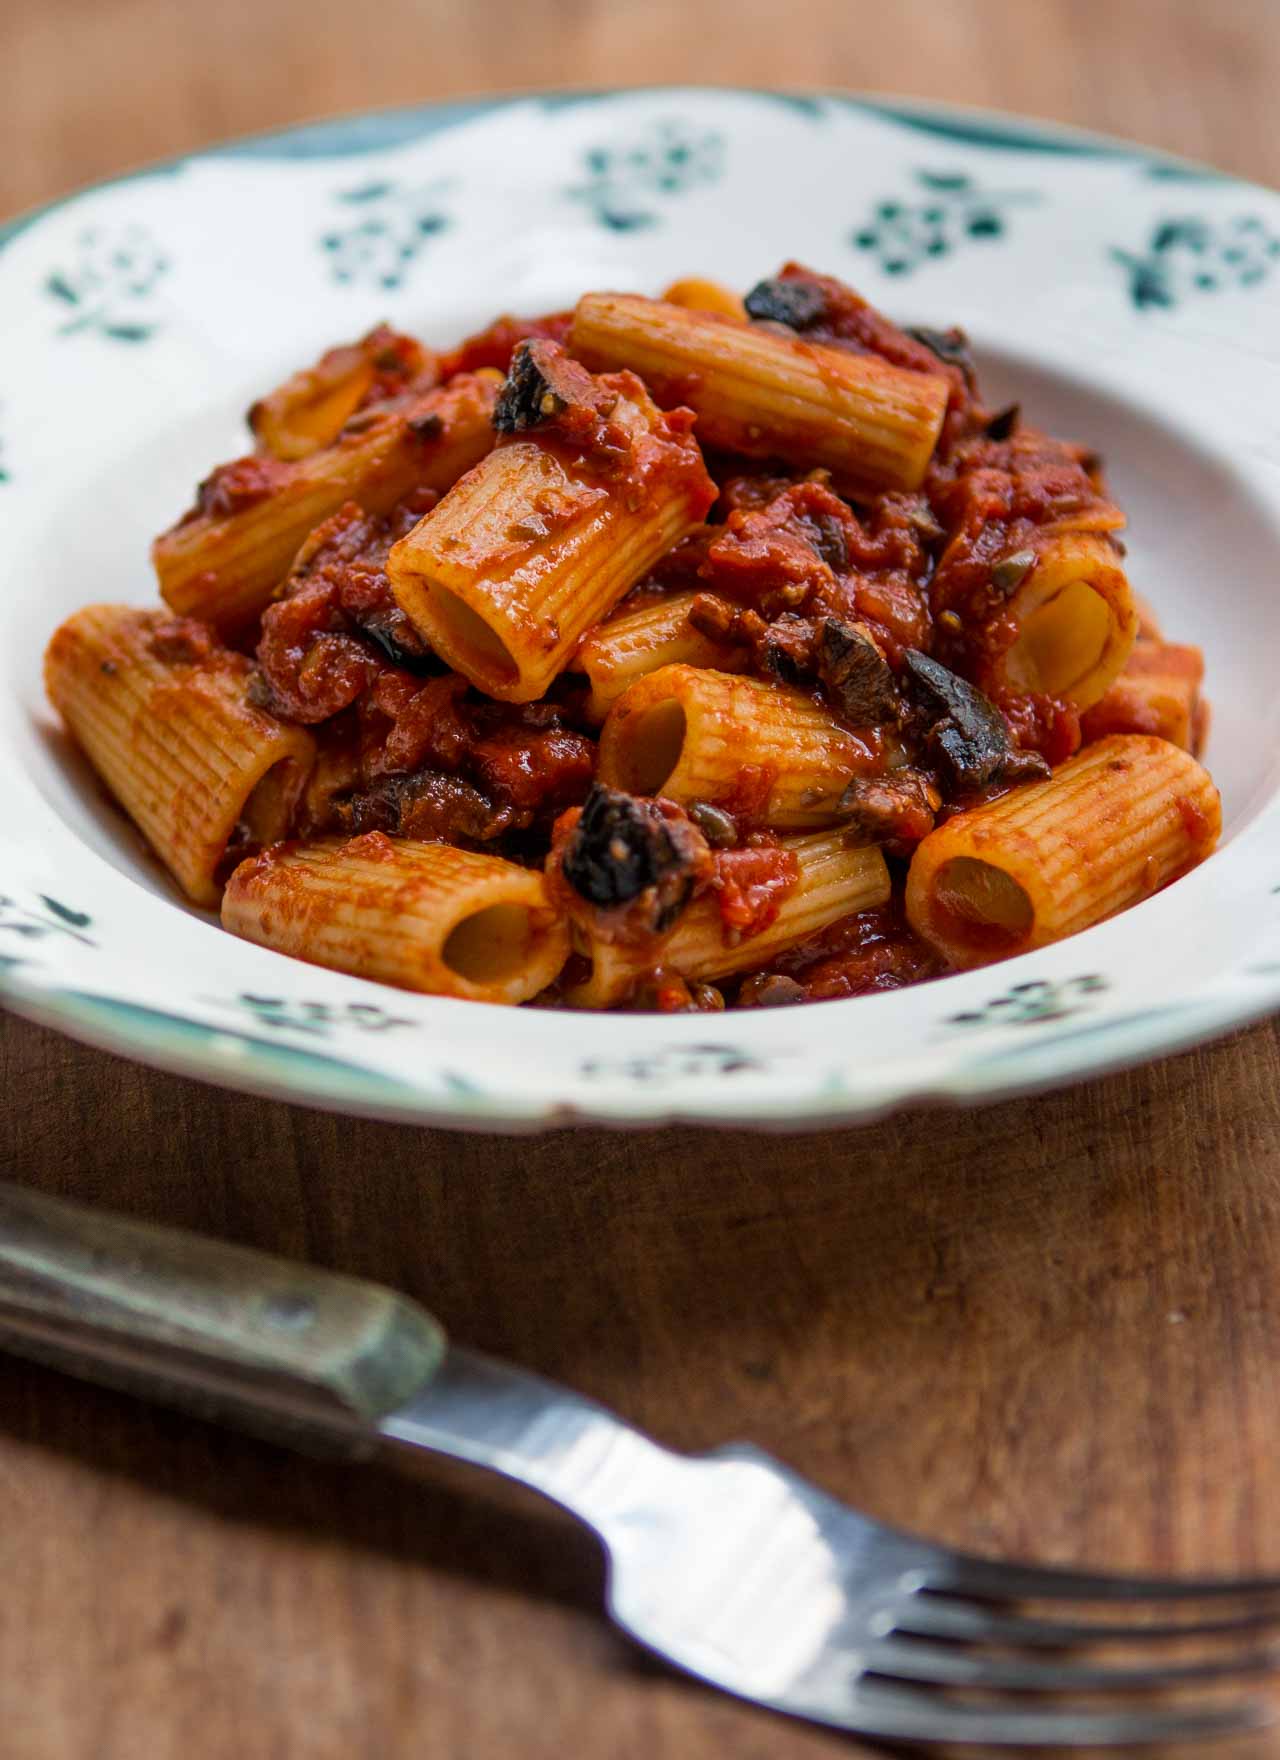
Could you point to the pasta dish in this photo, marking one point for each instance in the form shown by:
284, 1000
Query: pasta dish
670, 653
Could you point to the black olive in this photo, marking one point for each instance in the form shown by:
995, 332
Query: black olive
526, 399
798, 304
770, 990
950, 346
970, 738
1004, 423
622, 846
856, 675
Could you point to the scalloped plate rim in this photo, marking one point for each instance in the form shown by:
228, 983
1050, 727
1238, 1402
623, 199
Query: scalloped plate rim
1196, 1025
891, 107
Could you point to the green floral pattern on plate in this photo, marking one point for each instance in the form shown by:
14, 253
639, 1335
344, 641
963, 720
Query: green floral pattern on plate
1033, 1003
388, 225
1191, 254
628, 180
318, 1018
270, 1059
108, 287
47, 917
674, 1063
947, 209
162, 1030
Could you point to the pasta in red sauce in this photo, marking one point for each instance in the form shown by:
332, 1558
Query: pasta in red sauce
746, 654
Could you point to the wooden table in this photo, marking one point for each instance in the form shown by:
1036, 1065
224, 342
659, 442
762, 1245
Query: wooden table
1047, 1327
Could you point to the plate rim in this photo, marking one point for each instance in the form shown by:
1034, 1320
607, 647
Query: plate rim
894, 106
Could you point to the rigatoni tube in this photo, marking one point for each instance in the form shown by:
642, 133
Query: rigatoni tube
1106, 830
424, 916
223, 561
700, 295
767, 753
634, 643
1075, 618
1158, 692
835, 879
536, 544
871, 424
311, 409
165, 722
313, 406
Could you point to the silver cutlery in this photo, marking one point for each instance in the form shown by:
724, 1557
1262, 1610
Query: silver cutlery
726, 1565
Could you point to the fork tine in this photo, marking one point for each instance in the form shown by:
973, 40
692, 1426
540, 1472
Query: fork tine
943, 1665
909, 1715
1012, 1582
938, 1616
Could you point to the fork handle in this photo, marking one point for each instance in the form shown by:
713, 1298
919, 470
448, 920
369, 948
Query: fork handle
304, 1356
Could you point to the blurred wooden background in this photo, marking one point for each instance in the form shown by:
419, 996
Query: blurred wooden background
1047, 1327
93, 86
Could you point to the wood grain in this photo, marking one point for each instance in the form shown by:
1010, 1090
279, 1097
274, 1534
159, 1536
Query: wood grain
1047, 1327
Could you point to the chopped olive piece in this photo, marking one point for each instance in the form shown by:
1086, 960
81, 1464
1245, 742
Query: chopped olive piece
425, 805
400, 642
950, 346
722, 621
623, 846
769, 990
970, 738
1004, 425
428, 427
798, 304
923, 520
897, 809
829, 537
787, 650
528, 398
856, 674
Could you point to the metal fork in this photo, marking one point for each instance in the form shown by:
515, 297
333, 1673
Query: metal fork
726, 1565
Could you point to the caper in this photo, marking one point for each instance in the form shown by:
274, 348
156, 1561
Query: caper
718, 827
1011, 571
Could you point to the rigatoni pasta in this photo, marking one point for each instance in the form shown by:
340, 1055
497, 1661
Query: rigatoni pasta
717, 650
1157, 692
1075, 619
701, 295
1106, 830
311, 408
163, 715
633, 644
771, 754
542, 539
225, 558
873, 425
834, 878
421, 915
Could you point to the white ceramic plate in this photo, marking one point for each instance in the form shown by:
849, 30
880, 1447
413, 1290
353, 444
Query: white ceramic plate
1126, 298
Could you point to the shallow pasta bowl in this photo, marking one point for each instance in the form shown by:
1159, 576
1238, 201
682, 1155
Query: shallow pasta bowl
1124, 297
